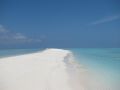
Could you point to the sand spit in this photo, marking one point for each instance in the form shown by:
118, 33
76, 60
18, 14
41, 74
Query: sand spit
46, 70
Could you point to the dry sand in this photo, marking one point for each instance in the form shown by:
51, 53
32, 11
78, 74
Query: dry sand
44, 70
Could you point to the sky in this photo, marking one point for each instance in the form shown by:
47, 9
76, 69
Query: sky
59, 23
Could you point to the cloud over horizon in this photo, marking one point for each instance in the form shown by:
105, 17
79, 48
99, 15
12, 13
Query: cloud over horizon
9, 37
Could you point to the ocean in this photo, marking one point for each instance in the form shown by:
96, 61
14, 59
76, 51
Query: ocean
102, 63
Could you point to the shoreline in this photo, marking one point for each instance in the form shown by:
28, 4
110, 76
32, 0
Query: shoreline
44, 70
18, 52
49, 69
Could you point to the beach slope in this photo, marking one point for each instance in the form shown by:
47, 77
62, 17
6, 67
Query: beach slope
45, 70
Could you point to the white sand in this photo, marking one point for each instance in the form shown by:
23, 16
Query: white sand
37, 71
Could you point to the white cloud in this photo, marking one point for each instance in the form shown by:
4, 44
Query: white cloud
2, 29
38, 40
10, 37
19, 36
105, 20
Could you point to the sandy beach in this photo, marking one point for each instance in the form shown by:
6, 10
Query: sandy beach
46, 70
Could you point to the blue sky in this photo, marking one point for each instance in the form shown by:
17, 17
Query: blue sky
59, 23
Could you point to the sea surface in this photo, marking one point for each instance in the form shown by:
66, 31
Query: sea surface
103, 63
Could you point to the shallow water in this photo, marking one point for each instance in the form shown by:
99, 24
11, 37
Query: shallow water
103, 64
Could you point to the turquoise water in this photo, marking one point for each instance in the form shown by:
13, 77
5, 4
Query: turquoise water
106, 58
104, 63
